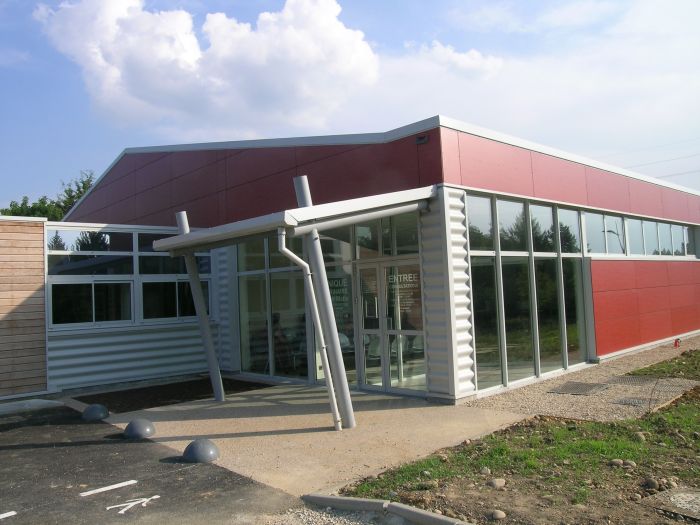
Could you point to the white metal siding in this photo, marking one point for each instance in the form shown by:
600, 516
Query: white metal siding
450, 367
222, 258
101, 356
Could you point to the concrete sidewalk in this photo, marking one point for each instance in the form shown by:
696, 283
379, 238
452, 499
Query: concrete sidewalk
283, 436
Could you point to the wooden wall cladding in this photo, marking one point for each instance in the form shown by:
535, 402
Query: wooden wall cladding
22, 308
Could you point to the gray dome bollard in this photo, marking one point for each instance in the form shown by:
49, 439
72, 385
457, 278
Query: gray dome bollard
139, 428
201, 451
95, 412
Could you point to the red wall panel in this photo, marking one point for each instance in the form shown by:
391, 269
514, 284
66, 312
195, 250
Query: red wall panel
449, 140
645, 198
607, 190
492, 165
660, 300
558, 179
217, 186
159, 181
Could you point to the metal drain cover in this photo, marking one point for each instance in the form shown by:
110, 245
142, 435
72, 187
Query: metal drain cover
631, 380
682, 500
578, 389
634, 401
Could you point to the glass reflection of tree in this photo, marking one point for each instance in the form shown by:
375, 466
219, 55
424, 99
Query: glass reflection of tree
618, 235
92, 241
513, 237
568, 239
56, 242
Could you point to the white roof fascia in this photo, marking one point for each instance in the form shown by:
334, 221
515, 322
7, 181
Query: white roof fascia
321, 212
317, 140
227, 233
553, 152
23, 219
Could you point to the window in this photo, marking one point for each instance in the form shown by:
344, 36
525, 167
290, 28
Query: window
678, 239
615, 234
71, 303
635, 236
163, 300
665, 242
569, 231
651, 238
90, 302
96, 276
595, 233
480, 223
88, 241
512, 226
390, 236
542, 228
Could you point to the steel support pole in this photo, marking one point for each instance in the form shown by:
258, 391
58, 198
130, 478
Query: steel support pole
325, 306
200, 307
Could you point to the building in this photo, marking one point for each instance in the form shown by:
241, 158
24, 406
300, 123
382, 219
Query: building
515, 262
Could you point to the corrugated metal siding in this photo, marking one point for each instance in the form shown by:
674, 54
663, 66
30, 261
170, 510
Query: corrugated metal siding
446, 296
463, 350
225, 272
102, 356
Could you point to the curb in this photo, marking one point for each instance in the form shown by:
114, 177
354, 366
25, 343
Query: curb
414, 515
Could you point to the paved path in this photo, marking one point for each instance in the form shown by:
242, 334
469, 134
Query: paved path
614, 399
282, 436
49, 457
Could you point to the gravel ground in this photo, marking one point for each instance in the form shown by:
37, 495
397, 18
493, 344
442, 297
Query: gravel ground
328, 516
603, 405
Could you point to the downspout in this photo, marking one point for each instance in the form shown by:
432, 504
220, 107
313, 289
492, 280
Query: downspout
200, 308
311, 298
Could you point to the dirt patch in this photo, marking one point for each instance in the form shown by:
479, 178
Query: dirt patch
167, 394
557, 470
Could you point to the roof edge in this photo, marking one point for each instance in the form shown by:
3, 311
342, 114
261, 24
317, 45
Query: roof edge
470, 129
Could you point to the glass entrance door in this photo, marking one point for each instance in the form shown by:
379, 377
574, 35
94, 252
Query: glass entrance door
391, 330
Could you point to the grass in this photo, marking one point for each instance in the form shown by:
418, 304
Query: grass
562, 455
566, 457
686, 366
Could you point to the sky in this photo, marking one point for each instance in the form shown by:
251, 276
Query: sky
80, 80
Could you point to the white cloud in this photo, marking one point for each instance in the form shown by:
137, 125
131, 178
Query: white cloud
471, 61
11, 57
293, 68
633, 80
503, 17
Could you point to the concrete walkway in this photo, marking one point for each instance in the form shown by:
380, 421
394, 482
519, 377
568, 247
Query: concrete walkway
283, 436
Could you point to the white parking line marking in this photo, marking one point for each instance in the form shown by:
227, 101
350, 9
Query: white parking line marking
111, 487
8, 515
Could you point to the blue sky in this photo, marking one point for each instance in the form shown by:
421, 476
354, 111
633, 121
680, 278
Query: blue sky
83, 79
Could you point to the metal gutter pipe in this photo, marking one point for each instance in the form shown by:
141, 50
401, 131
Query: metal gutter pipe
200, 307
325, 305
309, 287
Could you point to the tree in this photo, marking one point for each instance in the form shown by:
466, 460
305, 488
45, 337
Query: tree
53, 209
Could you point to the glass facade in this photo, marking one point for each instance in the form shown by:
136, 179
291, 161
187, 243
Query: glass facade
110, 277
485, 312
275, 336
527, 288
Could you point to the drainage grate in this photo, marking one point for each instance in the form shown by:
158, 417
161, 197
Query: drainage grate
631, 380
632, 401
579, 389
